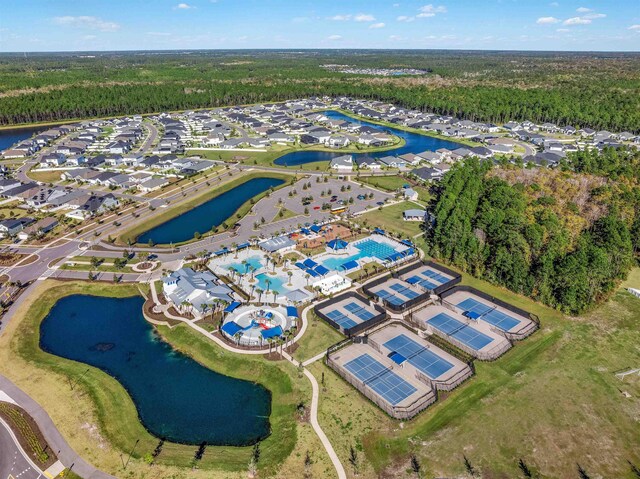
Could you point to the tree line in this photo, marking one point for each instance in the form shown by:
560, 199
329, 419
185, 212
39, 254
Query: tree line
499, 232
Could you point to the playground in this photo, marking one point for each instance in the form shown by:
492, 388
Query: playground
254, 326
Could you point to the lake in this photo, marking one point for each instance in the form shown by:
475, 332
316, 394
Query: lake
208, 215
414, 143
10, 137
176, 397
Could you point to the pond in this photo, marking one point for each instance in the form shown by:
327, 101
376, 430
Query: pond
176, 397
208, 215
11, 136
414, 143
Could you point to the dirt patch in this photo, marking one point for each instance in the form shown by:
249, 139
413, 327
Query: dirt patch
148, 311
8, 259
330, 232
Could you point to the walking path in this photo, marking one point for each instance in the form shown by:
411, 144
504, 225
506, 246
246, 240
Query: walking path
65, 453
314, 384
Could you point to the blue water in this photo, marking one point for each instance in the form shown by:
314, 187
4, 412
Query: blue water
368, 247
276, 283
252, 261
213, 213
176, 397
8, 138
414, 143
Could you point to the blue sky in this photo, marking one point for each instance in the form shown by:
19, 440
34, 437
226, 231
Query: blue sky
71, 25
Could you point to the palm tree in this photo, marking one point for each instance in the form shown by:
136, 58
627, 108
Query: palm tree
259, 291
289, 273
253, 270
245, 263
267, 281
307, 276
233, 271
275, 294
270, 341
237, 337
235, 247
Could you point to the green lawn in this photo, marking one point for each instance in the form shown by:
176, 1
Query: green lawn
394, 183
99, 397
318, 337
552, 400
390, 219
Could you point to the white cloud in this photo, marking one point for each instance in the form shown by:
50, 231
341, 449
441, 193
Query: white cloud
634, 27
404, 18
584, 19
430, 10
83, 21
547, 20
341, 18
577, 21
554, 4
395, 38
562, 30
333, 38
377, 25
183, 6
583, 10
364, 17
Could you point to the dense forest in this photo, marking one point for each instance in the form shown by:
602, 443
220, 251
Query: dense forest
565, 238
599, 91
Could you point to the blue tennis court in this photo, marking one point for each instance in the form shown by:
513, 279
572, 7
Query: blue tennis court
461, 331
341, 319
419, 356
390, 298
404, 291
489, 314
359, 311
387, 384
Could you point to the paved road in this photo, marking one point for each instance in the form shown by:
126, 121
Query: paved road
13, 460
65, 453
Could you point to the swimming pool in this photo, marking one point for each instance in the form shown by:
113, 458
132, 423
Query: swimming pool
252, 262
276, 283
367, 248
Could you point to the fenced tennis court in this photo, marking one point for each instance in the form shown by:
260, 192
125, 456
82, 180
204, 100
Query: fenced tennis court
395, 293
350, 313
429, 276
512, 322
480, 340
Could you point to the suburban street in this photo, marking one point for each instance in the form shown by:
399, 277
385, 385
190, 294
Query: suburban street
13, 461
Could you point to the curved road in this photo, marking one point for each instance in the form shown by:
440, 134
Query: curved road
65, 453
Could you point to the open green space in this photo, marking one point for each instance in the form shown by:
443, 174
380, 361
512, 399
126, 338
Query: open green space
317, 338
133, 233
99, 400
389, 218
395, 183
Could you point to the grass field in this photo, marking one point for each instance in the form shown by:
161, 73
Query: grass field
133, 233
45, 176
98, 417
394, 183
318, 337
390, 219
552, 400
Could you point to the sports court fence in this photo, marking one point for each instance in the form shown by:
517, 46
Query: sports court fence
358, 328
457, 277
486, 355
398, 308
397, 412
527, 328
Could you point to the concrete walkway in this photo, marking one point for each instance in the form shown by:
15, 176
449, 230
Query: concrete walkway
65, 453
